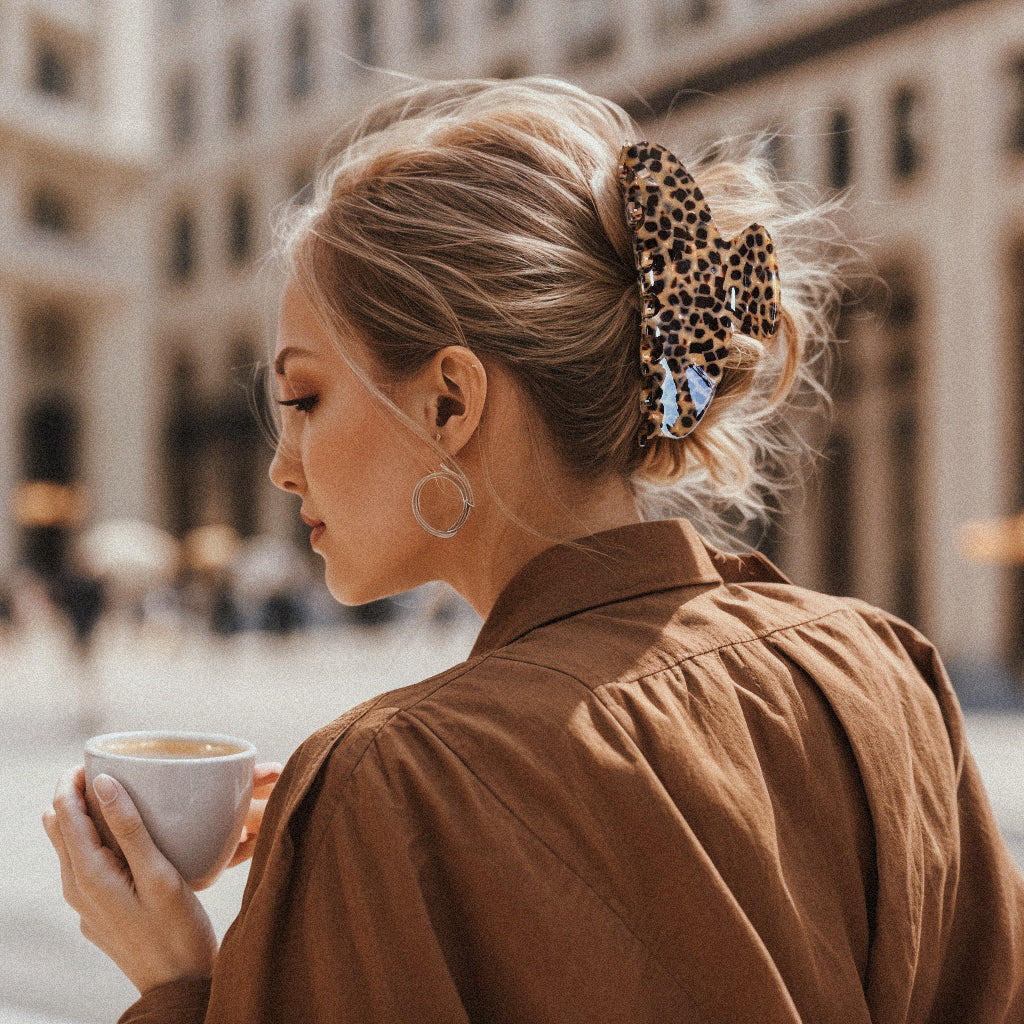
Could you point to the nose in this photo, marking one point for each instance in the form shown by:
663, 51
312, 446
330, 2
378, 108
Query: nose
286, 468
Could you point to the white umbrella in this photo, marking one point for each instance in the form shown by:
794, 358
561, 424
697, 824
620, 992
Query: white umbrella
128, 551
265, 565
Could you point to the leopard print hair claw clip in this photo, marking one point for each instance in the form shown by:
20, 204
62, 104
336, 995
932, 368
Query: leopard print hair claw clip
696, 289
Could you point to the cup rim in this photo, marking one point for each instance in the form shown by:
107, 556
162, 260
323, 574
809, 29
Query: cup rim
93, 745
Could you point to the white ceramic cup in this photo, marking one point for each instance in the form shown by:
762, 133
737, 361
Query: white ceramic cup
192, 791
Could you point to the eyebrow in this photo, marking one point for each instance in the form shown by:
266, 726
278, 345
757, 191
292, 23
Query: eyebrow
282, 356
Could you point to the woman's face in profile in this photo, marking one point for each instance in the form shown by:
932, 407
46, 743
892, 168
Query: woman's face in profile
349, 461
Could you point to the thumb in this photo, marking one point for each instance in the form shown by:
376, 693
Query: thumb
126, 825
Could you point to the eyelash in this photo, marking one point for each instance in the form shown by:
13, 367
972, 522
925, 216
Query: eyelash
303, 404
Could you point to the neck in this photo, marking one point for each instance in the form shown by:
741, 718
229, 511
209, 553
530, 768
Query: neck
496, 543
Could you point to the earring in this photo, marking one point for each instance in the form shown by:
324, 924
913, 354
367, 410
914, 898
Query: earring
460, 484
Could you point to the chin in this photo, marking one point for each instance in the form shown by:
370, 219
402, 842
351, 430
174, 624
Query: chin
351, 591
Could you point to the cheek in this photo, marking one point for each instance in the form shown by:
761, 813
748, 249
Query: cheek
359, 477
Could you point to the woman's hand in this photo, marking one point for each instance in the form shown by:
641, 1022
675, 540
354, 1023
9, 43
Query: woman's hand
138, 910
264, 778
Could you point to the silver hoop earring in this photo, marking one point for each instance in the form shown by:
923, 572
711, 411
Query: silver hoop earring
461, 485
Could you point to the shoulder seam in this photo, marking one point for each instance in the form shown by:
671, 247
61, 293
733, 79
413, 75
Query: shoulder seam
502, 654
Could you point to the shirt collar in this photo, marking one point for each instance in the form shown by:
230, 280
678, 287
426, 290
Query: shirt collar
614, 565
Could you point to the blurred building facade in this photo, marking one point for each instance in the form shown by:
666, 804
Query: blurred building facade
916, 108
74, 278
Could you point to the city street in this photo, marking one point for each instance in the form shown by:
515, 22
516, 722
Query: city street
275, 692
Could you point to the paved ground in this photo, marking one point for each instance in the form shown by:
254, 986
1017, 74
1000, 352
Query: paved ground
275, 693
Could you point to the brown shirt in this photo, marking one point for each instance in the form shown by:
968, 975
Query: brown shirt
667, 785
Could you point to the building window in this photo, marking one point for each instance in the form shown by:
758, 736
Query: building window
594, 34
870, 546
509, 69
900, 382
51, 341
300, 57
686, 12
430, 22
183, 111
240, 86
903, 455
836, 502
1017, 116
182, 254
53, 70
185, 437
240, 229
240, 442
840, 151
364, 26
906, 146
1015, 352
50, 211
51, 441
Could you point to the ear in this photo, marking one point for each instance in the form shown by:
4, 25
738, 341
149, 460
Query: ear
450, 392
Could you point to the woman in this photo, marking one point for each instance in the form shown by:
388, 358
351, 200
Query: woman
667, 785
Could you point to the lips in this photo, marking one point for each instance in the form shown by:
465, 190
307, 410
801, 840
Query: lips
316, 527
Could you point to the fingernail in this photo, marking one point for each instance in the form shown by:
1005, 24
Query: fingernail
105, 789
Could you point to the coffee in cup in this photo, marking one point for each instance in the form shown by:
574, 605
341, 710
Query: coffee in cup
192, 791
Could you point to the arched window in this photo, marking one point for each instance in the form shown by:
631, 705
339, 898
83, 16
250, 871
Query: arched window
685, 12
242, 450
51, 341
50, 450
869, 510
364, 31
840, 151
837, 499
1017, 111
53, 70
509, 69
905, 112
182, 262
185, 438
50, 439
182, 109
240, 229
300, 56
595, 32
1015, 353
240, 86
430, 21
900, 326
50, 211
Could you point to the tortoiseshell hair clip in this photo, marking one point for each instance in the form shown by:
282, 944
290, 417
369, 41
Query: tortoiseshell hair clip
696, 289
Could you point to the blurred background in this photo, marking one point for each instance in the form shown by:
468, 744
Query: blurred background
149, 573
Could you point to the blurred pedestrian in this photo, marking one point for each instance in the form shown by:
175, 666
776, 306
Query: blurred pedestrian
281, 613
6, 614
667, 784
81, 599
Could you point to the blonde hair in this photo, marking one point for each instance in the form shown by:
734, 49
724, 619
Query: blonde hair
488, 214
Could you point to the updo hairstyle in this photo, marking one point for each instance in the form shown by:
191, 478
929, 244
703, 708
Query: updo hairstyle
488, 214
